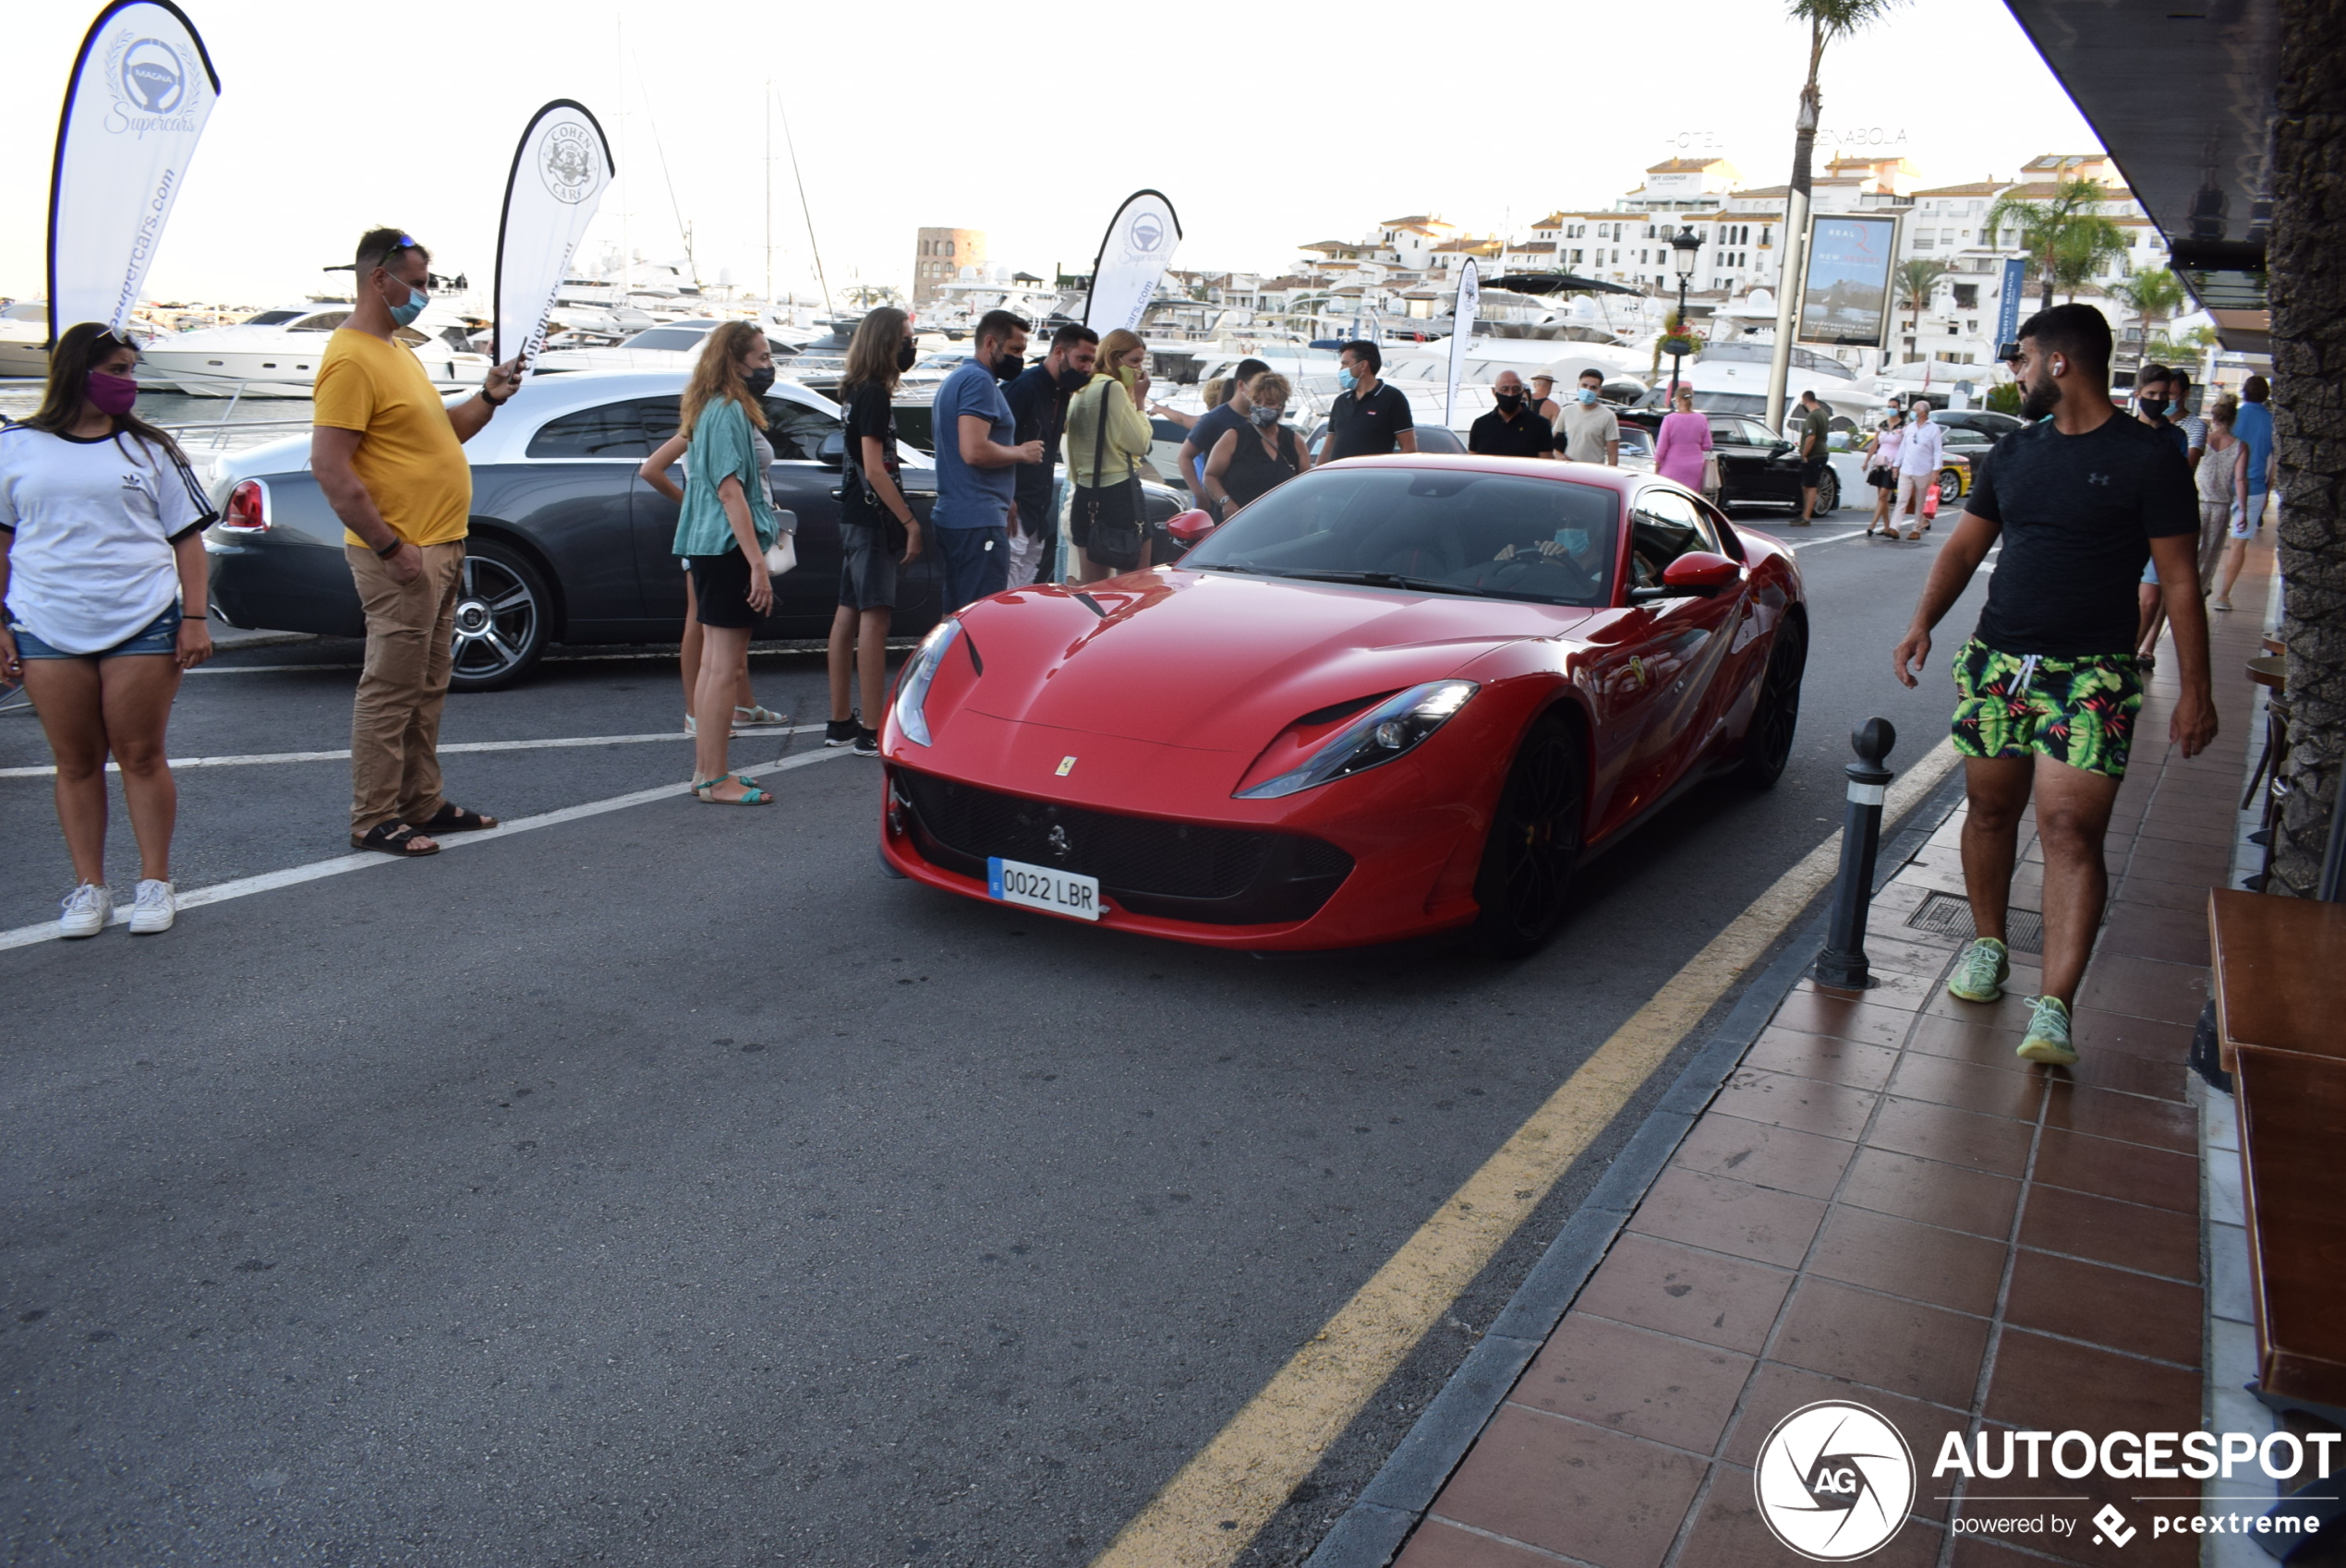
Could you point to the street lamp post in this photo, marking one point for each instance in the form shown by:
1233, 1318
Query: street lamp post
1683, 246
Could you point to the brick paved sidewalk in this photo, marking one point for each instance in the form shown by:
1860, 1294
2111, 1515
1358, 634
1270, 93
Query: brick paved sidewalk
1885, 1204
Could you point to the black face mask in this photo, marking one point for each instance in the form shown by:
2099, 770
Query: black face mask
1006, 366
758, 381
1509, 401
2154, 406
904, 355
1073, 381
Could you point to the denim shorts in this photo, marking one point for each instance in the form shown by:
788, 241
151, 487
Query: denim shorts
160, 635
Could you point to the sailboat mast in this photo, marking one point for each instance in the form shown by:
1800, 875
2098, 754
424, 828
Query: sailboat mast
769, 195
790, 142
627, 257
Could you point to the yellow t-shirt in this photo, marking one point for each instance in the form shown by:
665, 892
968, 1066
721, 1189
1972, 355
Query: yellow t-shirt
408, 456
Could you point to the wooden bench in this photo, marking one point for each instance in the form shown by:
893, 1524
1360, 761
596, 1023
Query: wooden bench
2292, 1112
2278, 975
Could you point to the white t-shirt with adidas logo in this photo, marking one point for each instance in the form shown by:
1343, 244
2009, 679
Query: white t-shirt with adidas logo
93, 521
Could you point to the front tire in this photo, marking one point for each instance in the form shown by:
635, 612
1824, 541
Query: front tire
1775, 716
1534, 844
1828, 492
504, 616
1950, 487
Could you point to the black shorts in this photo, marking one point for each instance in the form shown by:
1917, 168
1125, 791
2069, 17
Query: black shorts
867, 569
1812, 473
721, 590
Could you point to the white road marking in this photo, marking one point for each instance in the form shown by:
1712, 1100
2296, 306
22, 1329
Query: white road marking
258, 759
245, 886
1828, 539
895, 643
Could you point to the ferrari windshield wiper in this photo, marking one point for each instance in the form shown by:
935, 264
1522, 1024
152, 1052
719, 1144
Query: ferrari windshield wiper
1382, 580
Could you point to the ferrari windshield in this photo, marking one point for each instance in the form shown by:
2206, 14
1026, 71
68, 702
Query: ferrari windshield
1502, 536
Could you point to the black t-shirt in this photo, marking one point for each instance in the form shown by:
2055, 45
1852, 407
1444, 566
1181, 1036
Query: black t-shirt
2078, 514
1367, 426
1038, 413
868, 414
1212, 426
1527, 435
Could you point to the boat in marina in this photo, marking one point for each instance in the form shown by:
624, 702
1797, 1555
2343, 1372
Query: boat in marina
275, 353
24, 338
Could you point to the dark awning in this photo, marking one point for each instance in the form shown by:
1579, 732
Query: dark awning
2199, 160
1555, 282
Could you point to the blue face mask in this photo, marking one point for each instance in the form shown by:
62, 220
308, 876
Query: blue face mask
1575, 540
416, 299
1588, 394
1346, 379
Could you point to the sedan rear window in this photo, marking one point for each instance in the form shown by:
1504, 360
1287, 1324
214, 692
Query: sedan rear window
615, 429
1497, 535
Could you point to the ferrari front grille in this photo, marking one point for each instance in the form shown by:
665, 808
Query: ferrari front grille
1183, 870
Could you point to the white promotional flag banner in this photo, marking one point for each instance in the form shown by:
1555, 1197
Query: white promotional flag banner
134, 108
1461, 329
1134, 252
560, 173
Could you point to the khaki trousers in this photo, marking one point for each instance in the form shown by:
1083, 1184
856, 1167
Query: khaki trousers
394, 725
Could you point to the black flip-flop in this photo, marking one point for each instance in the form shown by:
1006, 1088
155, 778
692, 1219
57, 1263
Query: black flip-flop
392, 838
454, 818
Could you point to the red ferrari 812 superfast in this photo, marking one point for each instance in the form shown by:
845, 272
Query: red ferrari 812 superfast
1393, 697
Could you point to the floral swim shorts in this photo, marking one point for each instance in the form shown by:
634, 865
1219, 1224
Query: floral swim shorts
2080, 711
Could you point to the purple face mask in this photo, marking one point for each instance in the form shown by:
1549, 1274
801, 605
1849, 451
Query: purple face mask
113, 395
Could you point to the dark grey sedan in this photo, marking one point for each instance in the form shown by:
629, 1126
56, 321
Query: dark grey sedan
567, 544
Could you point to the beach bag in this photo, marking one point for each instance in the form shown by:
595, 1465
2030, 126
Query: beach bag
1112, 514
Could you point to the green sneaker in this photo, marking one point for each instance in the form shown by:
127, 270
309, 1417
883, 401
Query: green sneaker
1980, 972
2047, 1037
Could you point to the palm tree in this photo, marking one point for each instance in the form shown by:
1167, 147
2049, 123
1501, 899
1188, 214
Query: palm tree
1914, 281
2155, 296
1827, 19
2064, 236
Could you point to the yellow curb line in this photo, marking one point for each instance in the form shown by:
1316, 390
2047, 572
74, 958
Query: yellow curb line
1215, 1505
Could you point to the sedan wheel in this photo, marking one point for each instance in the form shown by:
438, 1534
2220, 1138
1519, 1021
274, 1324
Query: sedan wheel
1828, 492
1768, 745
502, 619
1535, 842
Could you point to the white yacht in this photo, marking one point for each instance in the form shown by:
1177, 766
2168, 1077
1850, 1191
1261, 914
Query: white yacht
275, 354
24, 338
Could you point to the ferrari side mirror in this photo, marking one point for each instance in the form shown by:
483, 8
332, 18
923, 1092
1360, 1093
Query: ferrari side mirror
1700, 572
1187, 527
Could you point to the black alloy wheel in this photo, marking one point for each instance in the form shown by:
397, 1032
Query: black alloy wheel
503, 614
1535, 840
1828, 492
1767, 746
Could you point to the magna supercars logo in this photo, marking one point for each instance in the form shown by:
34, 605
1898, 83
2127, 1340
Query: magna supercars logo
151, 83
152, 77
569, 161
1834, 1481
1146, 233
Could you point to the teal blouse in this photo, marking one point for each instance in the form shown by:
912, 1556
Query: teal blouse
722, 445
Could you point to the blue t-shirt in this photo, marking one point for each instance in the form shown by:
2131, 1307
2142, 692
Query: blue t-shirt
967, 497
2254, 426
1212, 426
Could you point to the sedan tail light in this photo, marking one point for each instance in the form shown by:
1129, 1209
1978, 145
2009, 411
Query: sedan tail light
247, 509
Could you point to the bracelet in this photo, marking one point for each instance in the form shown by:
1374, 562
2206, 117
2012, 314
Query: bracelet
387, 551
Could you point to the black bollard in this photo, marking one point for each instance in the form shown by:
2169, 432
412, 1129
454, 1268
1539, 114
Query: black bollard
1843, 962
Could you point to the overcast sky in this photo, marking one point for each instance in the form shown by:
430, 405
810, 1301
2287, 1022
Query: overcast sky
332, 118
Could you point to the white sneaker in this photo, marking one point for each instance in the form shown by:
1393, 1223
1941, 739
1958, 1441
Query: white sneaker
87, 907
155, 909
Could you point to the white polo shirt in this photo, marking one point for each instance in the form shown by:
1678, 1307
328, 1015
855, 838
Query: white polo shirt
94, 522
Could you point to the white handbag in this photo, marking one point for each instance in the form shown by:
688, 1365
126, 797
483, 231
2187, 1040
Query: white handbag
781, 556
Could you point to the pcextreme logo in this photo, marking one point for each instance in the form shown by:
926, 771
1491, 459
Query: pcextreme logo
1834, 1481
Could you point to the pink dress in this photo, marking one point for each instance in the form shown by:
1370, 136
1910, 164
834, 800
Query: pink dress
1677, 451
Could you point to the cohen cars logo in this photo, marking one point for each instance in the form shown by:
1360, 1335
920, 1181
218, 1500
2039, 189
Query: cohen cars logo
566, 159
1834, 1481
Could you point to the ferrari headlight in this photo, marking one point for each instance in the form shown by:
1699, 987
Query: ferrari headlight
1397, 725
912, 691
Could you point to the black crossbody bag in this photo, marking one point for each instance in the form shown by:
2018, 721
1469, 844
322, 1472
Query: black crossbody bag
892, 533
1111, 513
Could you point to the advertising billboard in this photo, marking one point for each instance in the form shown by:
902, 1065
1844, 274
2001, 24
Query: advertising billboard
1845, 302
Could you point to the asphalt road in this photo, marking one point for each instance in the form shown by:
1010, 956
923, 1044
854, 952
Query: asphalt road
669, 1187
